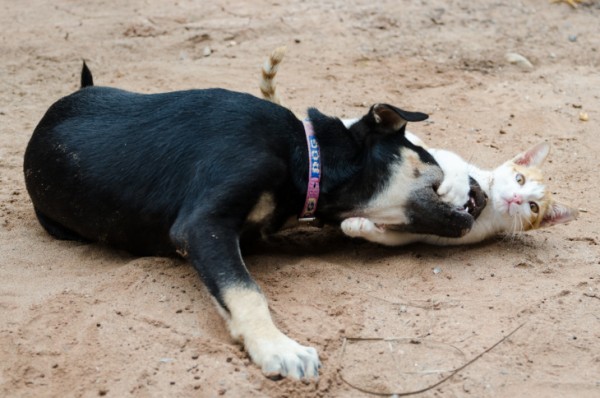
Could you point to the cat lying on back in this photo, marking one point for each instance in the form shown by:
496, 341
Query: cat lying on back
518, 199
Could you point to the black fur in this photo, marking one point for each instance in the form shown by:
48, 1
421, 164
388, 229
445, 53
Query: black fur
181, 171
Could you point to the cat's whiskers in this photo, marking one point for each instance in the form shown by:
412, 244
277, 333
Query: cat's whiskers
513, 228
529, 225
521, 225
516, 227
491, 182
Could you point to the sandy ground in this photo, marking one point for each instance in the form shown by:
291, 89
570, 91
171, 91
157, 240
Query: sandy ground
84, 320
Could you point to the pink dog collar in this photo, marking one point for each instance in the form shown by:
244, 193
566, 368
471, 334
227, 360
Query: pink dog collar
314, 174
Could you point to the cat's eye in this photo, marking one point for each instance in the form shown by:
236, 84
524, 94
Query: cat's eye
520, 179
534, 207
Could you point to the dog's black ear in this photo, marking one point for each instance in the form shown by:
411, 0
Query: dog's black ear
86, 76
382, 120
389, 119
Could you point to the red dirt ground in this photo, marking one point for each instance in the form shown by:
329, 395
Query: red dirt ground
84, 320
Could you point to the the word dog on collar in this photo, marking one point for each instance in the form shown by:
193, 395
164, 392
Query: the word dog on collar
314, 174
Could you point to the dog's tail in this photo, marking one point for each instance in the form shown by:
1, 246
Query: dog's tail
86, 76
269, 70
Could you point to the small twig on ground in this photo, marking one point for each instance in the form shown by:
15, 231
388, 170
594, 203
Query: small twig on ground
453, 372
592, 295
430, 304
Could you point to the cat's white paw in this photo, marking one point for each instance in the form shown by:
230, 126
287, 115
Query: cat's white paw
358, 227
456, 185
454, 190
281, 356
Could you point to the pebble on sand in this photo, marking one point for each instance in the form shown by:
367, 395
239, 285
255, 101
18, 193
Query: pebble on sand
519, 60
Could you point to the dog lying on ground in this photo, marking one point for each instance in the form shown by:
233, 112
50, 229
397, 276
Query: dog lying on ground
189, 171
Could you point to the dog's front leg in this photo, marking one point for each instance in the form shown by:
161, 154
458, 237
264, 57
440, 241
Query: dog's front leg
213, 249
250, 322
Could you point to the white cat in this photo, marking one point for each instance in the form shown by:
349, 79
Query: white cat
518, 200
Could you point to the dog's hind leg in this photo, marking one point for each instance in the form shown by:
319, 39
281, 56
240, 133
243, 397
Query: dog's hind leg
212, 245
57, 230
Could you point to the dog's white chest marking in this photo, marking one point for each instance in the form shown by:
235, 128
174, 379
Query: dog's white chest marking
262, 209
390, 204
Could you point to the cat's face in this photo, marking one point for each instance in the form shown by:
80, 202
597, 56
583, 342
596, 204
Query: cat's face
521, 197
519, 194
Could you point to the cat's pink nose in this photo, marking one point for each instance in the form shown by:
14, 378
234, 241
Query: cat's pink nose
517, 199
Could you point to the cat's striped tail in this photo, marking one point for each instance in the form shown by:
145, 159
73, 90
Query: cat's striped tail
269, 70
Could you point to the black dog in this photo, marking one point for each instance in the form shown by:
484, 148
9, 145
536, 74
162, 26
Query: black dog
188, 171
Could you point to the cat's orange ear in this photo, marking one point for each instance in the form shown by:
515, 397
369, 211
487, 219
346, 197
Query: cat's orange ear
534, 156
558, 213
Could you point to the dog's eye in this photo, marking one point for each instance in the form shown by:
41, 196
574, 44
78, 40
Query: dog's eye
534, 207
520, 179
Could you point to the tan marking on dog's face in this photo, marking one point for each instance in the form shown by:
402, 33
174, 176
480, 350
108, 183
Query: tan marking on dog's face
389, 206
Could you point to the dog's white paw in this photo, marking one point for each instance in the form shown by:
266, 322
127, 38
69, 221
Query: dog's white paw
358, 227
282, 356
276, 354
